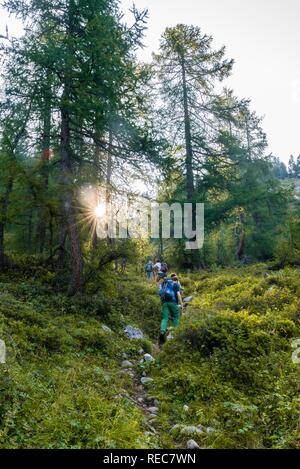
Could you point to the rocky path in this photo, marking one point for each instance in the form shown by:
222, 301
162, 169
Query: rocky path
148, 404
141, 397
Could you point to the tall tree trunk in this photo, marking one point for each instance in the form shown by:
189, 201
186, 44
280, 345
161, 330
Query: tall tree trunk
4, 201
194, 256
94, 223
29, 237
62, 235
76, 283
240, 254
190, 188
45, 162
108, 214
2, 255
99, 180
241, 246
248, 137
51, 236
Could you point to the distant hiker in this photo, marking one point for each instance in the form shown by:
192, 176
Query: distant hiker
156, 269
164, 270
161, 269
149, 270
170, 298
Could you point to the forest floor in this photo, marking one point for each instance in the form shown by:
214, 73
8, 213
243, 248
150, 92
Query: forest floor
73, 379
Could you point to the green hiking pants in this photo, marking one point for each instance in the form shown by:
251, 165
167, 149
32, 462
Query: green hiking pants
169, 311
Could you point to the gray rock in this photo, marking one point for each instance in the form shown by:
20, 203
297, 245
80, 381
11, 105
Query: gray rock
156, 403
145, 381
127, 364
141, 351
152, 416
106, 328
140, 400
170, 336
144, 373
124, 355
133, 332
186, 408
191, 444
153, 410
148, 358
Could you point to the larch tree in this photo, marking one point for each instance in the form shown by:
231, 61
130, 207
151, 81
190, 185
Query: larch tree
188, 68
76, 56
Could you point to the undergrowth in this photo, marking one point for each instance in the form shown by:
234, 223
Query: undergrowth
229, 367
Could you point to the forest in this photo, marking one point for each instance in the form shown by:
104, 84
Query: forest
86, 127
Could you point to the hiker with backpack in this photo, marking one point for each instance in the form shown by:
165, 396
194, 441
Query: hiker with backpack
149, 270
161, 270
171, 299
164, 270
156, 269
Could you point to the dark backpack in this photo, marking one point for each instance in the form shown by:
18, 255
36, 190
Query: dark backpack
164, 267
167, 292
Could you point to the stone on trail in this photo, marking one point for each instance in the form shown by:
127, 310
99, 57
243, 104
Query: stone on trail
106, 328
133, 332
145, 380
191, 444
186, 408
148, 358
153, 410
127, 364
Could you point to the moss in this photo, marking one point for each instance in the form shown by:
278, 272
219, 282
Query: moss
230, 361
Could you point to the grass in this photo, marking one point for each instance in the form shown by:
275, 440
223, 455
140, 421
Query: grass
62, 386
230, 362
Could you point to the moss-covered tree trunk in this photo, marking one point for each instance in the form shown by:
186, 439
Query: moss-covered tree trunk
76, 283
